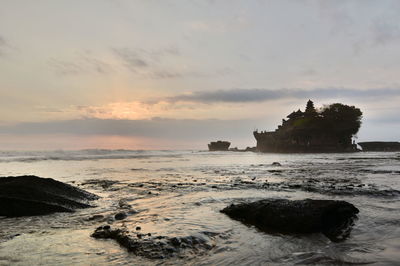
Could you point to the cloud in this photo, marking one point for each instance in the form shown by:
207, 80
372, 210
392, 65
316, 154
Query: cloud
231, 24
136, 59
392, 118
2, 41
164, 74
144, 63
262, 95
384, 32
154, 128
132, 59
96, 65
63, 67
84, 62
3, 46
149, 64
309, 72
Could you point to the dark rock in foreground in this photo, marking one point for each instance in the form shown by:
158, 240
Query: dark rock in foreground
332, 218
158, 247
32, 195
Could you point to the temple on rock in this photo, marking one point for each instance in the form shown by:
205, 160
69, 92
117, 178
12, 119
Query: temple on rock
329, 129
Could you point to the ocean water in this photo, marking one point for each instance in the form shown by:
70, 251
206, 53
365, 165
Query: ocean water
180, 193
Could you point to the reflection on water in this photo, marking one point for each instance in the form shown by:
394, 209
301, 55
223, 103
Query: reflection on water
178, 194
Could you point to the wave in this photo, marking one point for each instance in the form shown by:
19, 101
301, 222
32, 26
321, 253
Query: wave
88, 154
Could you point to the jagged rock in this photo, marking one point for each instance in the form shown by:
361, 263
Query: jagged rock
332, 218
158, 247
32, 195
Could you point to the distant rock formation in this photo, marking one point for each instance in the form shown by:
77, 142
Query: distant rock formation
32, 195
332, 218
219, 145
327, 130
380, 146
252, 149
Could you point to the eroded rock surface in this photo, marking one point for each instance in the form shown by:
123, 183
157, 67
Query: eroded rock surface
32, 195
156, 247
334, 186
332, 218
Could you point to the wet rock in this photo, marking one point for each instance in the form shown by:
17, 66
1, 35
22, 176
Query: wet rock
103, 183
334, 187
275, 171
123, 204
133, 211
332, 218
32, 195
96, 217
9, 237
120, 216
159, 247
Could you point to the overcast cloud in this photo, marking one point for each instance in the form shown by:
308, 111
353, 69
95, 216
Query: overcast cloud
174, 129
262, 95
209, 69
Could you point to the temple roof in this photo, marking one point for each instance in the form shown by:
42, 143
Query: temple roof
295, 114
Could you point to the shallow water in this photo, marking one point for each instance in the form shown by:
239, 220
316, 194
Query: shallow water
180, 193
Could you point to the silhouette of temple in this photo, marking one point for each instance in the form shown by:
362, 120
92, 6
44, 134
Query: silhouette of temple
328, 130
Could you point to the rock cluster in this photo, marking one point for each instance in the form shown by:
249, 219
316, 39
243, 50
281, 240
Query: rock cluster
155, 247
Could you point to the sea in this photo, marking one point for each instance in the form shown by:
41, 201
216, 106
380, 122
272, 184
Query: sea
181, 193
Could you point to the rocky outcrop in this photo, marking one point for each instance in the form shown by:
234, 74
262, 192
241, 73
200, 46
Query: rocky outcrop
329, 129
219, 145
332, 218
156, 247
380, 146
32, 195
252, 149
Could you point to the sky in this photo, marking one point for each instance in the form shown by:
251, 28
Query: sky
176, 74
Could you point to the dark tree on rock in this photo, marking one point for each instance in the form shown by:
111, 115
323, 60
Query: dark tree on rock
327, 130
342, 120
310, 109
